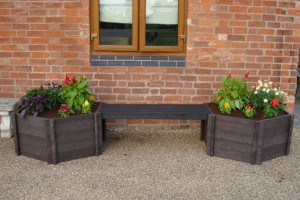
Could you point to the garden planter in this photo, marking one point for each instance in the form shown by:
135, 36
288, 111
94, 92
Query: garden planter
248, 140
56, 140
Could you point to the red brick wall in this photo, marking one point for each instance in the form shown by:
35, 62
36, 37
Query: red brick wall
41, 41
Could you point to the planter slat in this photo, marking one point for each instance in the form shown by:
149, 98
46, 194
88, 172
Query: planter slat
231, 145
33, 140
75, 154
275, 149
234, 126
32, 152
276, 140
34, 127
234, 155
64, 147
74, 136
233, 136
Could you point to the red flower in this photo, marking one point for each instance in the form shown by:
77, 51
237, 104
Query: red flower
254, 86
229, 75
274, 102
265, 116
246, 75
248, 105
74, 80
64, 107
67, 79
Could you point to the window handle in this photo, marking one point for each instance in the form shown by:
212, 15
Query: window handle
182, 37
94, 35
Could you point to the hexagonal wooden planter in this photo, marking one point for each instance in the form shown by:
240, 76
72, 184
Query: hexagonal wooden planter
59, 139
247, 140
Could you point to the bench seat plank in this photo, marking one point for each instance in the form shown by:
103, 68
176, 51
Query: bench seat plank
155, 111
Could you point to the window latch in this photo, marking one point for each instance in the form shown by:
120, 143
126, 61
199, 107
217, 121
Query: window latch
182, 37
94, 35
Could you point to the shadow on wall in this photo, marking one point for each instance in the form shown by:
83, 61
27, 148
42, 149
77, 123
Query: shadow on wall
298, 77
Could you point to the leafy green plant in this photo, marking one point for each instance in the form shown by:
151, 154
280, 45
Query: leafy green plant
267, 97
233, 94
75, 92
40, 99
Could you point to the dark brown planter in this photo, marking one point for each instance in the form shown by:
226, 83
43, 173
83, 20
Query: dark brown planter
59, 139
247, 140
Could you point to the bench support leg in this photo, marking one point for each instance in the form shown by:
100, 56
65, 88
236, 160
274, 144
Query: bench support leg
203, 128
103, 129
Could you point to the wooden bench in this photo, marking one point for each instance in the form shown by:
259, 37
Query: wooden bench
153, 111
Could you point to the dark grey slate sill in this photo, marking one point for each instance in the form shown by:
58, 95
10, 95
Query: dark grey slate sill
138, 61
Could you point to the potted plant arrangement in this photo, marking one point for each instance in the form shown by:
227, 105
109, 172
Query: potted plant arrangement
57, 123
248, 124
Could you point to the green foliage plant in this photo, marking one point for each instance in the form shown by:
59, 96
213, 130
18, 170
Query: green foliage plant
233, 94
75, 92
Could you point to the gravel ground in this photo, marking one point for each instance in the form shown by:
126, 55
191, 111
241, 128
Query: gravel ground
152, 164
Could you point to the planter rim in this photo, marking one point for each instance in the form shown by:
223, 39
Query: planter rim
286, 113
72, 117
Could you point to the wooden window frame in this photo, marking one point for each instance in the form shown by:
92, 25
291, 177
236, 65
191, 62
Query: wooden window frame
138, 46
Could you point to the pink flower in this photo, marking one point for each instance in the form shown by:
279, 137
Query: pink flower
274, 102
229, 75
67, 79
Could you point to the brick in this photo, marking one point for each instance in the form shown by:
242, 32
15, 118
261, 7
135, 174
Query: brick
241, 9
39, 54
174, 85
7, 33
54, 19
136, 84
140, 77
236, 37
18, 75
154, 98
37, 76
135, 98
41, 69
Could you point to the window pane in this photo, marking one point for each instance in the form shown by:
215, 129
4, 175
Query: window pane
115, 22
161, 23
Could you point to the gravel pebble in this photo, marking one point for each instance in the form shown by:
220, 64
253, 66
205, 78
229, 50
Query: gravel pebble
150, 164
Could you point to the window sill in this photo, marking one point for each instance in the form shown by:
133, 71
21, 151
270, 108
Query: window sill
141, 61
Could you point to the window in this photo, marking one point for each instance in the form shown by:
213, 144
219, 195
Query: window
138, 27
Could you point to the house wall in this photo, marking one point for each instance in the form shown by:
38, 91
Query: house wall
41, 41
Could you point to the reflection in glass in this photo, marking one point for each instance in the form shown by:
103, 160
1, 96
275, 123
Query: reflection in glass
161, 23
115, 22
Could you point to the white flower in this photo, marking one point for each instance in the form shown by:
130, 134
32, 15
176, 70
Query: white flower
276, 93
255, 92
258, 87
266, 100
270, 82
264, 89
259, 82
275, 89
268, 90
266, 85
